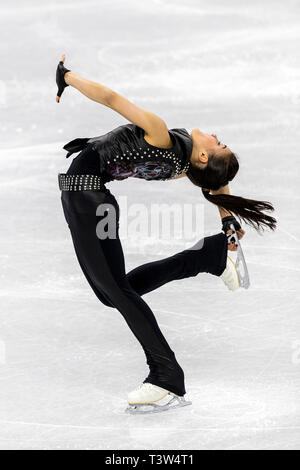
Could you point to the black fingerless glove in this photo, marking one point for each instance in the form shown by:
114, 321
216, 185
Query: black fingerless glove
60, 81
227, 221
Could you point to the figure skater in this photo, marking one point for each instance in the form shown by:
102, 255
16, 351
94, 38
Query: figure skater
147, 149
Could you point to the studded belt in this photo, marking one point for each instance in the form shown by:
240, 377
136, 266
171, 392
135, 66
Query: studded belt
80, 182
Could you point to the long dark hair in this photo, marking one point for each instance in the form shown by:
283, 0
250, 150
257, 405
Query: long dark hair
218, 172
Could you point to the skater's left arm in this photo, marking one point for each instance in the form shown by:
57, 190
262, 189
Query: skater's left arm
223, 190
223, 212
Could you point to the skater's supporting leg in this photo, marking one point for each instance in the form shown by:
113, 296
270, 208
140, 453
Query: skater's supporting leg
99, 293
103, 262
208, 255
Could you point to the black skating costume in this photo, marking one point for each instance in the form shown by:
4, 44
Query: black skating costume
117, 155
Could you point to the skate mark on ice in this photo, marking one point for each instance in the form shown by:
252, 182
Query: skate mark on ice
149, 428
275, 266
289, 234
270, 361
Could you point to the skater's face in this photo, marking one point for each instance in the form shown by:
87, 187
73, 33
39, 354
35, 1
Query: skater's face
205, 145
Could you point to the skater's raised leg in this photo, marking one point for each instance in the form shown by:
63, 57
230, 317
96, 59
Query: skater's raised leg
208, 255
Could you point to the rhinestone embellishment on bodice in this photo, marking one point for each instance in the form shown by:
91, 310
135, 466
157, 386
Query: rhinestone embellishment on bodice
139, 154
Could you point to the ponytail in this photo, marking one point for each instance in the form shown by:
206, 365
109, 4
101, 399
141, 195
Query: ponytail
249, 210
218, 173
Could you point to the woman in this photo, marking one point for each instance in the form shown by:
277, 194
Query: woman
147, 149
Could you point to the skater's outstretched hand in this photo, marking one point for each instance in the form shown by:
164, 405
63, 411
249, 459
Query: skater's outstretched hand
232, 246
226, 222
60, 81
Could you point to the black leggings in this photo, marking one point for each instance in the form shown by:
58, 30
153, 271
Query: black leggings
102, 262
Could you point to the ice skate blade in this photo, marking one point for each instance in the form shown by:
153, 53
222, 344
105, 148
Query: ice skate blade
240, 263
148, 408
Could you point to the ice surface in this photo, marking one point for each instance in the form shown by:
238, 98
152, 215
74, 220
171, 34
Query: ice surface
67, 361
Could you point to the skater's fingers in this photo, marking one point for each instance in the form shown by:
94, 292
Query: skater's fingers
232, 247
240, 233
232, 244
63, 58
58, 94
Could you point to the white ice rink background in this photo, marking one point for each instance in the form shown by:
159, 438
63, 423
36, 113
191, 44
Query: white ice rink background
67, 361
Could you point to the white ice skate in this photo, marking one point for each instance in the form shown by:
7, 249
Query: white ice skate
240, 263
236, 274
230, 275
149, 398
